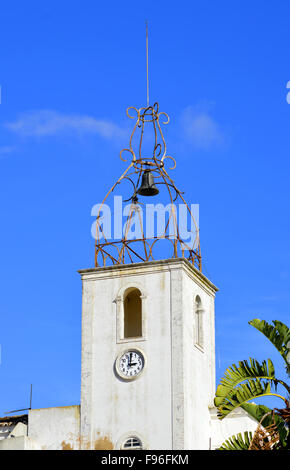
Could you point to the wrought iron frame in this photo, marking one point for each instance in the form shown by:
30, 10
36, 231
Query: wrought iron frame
121, 251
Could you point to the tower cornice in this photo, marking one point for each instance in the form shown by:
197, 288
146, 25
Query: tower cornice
149, 266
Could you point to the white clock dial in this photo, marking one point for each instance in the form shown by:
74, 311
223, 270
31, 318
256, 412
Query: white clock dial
130, 364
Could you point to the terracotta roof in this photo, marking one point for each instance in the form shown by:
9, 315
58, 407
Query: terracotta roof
10, 420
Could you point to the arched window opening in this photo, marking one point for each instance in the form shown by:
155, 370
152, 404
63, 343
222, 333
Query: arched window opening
198, 322
133, 314
132, 443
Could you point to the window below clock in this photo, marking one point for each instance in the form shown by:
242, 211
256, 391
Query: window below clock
132, 443
132, 313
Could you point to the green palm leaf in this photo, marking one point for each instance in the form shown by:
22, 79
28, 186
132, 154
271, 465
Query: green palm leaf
279, 335
253, 388
234, 375
259, 413
250, 380
238, 442
267, 417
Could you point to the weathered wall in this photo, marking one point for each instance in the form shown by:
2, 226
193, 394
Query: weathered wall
236, 422
167, 404
112, 408
19, 443
55, 428
199, 362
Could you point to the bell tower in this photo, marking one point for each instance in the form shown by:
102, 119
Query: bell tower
148, 340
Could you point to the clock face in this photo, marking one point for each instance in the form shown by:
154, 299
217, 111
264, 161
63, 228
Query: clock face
130, 364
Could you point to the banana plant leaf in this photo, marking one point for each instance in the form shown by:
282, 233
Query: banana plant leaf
279, 335
253, 388
238, 442
266, 417
246, 370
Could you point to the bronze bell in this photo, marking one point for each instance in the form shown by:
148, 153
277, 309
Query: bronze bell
147, 187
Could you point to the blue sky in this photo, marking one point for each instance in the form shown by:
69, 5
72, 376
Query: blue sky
68, 72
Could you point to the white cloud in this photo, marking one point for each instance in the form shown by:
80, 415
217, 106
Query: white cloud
50, 123
6, 149
201, 130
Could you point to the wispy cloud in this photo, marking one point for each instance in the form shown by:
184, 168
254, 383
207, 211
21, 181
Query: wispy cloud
50, 123
6, 149
200, 128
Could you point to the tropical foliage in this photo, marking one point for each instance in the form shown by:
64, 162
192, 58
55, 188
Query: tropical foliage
251, 380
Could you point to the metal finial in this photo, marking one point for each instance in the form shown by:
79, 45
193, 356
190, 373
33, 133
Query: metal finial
147, 63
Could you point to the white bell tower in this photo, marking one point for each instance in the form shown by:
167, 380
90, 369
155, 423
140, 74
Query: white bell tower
159, 397
148, 349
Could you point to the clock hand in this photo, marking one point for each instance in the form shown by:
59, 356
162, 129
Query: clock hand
130, 364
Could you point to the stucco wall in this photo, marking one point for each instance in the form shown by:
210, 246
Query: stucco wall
55, 428
113, 409
236, 422
168, 405
199, 362
19, 443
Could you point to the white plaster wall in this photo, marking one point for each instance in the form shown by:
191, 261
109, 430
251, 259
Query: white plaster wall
55, 428
168, 405
112, 408
19, 430
19, 443
199, 363
236, 422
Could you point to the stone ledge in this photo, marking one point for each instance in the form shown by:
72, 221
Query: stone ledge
147, 266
